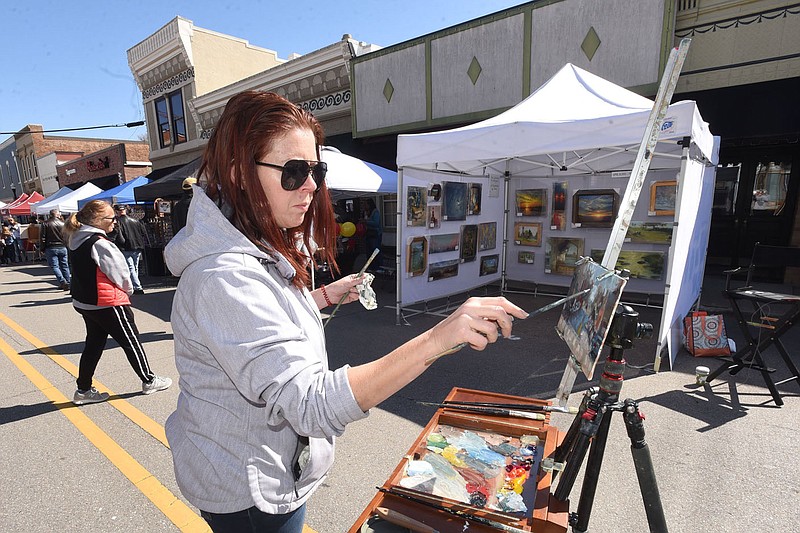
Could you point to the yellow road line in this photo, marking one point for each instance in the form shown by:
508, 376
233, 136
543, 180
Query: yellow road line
178, 513
136, 416
174, 509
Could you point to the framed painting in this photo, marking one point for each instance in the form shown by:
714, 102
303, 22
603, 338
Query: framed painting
662, 198
447, 242
594, 208
528, 233
416, 201
469, 243
489, 264
487, 236
442, 270
531, 202
434, 216
650, 232
558, 221
417, 256
562, 255
163, 207
474, 205
641, 264
525, 258
435, 193
454, 200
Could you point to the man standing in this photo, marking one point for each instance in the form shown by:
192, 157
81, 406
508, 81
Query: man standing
181, 208
51, 240
133, 238
16, 232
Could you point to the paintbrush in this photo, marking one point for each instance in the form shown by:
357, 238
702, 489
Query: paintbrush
491, 411
521, 407
401, 493
539, 311
360, 273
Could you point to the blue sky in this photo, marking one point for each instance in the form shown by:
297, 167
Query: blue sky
64, 63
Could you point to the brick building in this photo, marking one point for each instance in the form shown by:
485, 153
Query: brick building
36, 156
108, 167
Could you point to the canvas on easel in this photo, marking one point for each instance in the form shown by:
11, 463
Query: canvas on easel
585, 320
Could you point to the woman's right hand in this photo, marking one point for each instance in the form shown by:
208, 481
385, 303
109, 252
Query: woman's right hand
476, 322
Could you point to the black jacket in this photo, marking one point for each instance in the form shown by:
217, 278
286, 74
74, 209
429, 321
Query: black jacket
132, 235
51, 235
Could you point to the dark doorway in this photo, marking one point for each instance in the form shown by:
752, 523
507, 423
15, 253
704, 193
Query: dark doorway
755, 198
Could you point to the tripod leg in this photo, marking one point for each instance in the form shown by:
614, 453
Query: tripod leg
590, 420
644, 467
591, 475
565, 448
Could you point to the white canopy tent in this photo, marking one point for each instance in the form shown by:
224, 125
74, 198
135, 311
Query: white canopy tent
577, 128
350, 176
58, 194
67, 203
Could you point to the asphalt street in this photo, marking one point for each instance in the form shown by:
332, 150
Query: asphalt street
725, 456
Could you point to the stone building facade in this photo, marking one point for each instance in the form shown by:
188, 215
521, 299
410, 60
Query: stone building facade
178, 63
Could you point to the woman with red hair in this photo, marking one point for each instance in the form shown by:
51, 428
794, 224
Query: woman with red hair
253, 433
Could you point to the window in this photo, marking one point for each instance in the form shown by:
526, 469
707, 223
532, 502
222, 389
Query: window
389, 211
770, 187
178, 120
171, 119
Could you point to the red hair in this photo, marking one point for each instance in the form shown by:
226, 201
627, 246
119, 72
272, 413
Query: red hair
253, 121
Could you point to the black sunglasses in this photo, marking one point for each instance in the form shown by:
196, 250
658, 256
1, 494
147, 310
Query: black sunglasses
294, 172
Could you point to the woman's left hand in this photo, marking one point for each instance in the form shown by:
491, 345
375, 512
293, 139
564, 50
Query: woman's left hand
344, 287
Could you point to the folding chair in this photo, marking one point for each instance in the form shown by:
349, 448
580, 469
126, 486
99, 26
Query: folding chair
773, 315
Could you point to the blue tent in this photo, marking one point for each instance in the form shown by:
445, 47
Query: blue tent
121, 194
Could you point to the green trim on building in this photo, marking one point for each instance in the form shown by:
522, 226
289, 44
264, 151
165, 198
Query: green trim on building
667, 36
527, 52
426, 125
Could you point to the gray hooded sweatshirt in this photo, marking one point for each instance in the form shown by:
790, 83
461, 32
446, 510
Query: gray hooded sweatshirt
258, 408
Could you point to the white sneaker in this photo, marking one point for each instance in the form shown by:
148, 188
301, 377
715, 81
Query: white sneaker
90, 396
158, 383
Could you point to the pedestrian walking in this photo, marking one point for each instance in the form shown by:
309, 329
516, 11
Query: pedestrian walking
101, 286
259, 410
52, 241
132, 239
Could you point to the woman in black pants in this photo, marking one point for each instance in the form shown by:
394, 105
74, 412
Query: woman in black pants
101, 285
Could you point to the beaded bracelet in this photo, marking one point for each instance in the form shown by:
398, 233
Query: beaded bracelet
325, 295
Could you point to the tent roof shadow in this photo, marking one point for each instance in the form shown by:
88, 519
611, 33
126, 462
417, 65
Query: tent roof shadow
75, 348
17, 413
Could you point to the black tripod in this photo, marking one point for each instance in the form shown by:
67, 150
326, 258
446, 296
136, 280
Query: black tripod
593, 421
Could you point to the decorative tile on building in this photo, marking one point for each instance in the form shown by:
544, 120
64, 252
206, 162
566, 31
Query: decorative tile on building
590, 43
474, 70
167, 85
326, 102
388, 90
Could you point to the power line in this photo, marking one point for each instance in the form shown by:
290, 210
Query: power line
126, 125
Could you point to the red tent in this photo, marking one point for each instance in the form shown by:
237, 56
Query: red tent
15, 203
24, 207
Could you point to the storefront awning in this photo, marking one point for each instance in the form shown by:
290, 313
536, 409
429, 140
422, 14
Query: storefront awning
169, 185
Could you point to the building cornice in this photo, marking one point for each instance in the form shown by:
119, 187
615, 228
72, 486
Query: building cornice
293, 71
172, 39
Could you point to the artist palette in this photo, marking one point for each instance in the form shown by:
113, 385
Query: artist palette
480, 465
